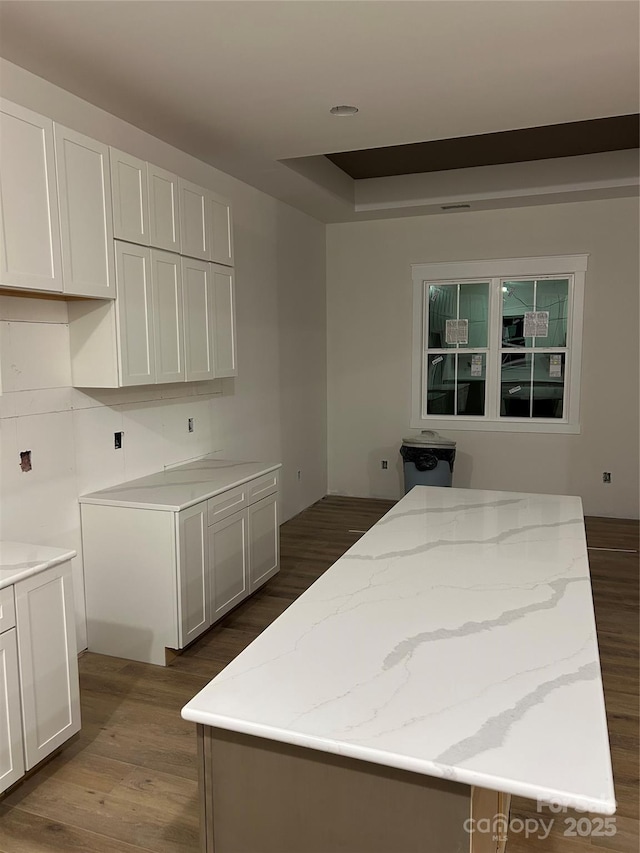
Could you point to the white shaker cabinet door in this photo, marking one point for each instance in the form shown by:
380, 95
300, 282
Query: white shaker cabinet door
194, 607
166, 276
224, 321
194, 220
228, 558
86, 217
30, 255
164, 218
220, 230
264, 541
130, 198
11, 755
197, 293
136, 349
48, 661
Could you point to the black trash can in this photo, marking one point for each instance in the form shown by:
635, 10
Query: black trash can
428, 460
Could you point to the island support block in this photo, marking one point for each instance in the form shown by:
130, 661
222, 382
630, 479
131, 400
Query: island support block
264, 796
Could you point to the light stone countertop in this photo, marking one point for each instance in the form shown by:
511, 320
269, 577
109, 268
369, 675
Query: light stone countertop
455, 639
19, 561
181, 486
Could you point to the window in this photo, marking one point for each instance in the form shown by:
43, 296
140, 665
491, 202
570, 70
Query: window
497, 344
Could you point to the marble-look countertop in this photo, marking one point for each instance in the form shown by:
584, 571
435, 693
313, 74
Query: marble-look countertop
19, 561
177, 488
456, 639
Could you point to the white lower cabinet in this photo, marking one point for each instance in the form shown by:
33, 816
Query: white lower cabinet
39, 693
264, 541
11, 753
193, 550
229, 561
157, 578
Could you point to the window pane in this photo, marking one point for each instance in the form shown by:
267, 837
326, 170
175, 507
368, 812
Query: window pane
548, 385
471, 383
552, 296
515, 385
440, 384
443, 306
517, 298
474, 307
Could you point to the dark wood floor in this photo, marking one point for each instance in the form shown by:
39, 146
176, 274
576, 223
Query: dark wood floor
128, 783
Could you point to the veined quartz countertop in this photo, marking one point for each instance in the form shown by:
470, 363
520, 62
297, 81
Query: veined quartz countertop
456, 639
19, 561
180, 487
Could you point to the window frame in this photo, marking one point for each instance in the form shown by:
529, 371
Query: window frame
573, 267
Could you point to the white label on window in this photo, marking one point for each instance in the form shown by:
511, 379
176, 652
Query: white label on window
555, 366
536, 324
457, 331
437, 360
515, 389
476, 365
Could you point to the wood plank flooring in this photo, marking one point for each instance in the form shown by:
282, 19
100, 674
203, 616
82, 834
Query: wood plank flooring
128, 782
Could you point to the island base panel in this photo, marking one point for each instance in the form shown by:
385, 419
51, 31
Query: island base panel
263, 796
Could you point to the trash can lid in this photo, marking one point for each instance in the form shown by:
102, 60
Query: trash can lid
428, 438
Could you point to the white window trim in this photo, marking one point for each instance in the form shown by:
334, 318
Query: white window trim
574, 265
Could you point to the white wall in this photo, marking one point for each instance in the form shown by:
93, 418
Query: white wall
275, 410
369, 301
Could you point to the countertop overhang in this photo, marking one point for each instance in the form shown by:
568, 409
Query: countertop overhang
180, 486
455, 639
19, 560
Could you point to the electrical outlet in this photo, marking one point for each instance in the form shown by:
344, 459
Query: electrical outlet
384, 465
190, 424
606, 476
117, 440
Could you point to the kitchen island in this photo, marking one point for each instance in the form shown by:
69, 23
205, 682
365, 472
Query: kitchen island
448, 660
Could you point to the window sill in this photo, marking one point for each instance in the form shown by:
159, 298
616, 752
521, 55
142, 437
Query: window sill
503, 425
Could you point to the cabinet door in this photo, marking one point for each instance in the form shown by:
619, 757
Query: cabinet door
48, 661
228, 558
194, 606
224, 321
164, 219
197, 293
220, 230
29, 226
130, 198
11, 756
194, 219
136, 349
166, 277
84, 191
264, 541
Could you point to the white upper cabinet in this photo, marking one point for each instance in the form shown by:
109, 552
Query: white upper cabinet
166, 277
29, 226
198, 319
130, 198
86, 218
194, 221
220, 230
135, 315
224, 321
164, 216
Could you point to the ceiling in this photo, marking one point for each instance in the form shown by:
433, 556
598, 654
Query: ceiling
247, 85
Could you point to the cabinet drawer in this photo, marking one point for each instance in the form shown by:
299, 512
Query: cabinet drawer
7, 609
262, 486
225, 504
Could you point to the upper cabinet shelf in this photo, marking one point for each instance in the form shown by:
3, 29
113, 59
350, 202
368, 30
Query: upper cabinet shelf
29, 225
64, 197
153, 207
